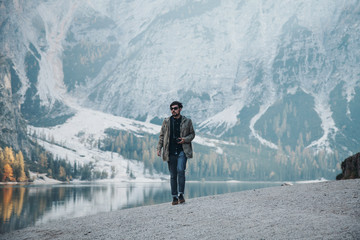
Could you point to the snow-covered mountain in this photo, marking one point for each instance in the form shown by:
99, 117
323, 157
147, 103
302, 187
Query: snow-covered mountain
279, 73
77, 141
78, 138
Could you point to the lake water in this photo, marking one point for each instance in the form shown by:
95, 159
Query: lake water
22, 206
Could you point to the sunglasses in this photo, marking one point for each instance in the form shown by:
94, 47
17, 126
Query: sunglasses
174, 108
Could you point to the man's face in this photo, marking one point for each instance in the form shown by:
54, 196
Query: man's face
175, 110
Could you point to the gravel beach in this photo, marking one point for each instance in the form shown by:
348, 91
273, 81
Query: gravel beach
325, 210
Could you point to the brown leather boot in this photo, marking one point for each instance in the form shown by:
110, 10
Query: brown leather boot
181, 199
175, 201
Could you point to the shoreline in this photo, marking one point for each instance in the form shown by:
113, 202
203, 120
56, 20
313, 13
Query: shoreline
76, 181
324, 210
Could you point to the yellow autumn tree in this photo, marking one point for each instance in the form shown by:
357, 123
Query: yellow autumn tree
20, 167
12, 166
7, 160
2, 163
8, 174
43, 160
62, 173
9, 155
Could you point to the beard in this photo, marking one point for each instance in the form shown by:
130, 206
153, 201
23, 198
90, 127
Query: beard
174, 114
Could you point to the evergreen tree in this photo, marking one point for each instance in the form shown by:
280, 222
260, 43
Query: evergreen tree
75, 170
86, 172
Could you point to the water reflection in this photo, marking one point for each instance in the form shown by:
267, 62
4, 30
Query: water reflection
27, 205
10, 206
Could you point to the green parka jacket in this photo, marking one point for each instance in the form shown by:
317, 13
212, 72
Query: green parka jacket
186, 132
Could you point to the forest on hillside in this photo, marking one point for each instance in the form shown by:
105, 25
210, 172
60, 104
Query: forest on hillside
15, 168
240, 160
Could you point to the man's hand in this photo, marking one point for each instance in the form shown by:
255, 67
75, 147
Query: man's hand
159, 153
182, 141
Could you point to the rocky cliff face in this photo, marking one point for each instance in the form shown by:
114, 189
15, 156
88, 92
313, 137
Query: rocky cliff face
12, 125
350, 168
277, 72
282, 76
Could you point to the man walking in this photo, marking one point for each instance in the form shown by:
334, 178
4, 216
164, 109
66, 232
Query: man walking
175, 138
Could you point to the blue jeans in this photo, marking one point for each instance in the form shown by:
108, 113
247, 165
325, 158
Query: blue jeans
177, 166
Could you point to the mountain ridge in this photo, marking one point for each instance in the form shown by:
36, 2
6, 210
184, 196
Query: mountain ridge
242, 70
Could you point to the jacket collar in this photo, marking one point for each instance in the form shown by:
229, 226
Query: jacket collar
183, 118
